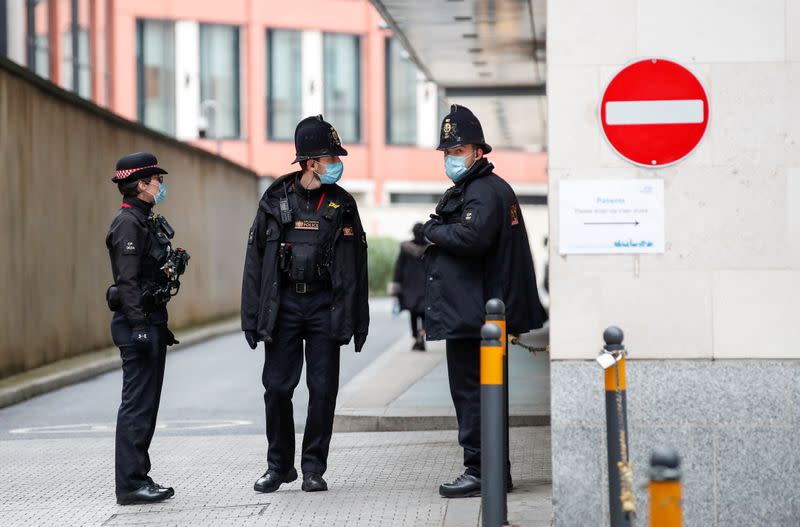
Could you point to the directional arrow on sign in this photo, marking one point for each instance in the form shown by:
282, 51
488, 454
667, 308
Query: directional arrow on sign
635, 222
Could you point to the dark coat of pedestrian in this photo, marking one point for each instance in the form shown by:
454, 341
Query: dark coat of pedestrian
409, 283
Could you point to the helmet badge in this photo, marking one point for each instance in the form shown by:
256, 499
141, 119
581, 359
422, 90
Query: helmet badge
447, 128
334, 137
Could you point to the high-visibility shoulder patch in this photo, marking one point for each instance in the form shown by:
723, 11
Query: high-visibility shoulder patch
514, 211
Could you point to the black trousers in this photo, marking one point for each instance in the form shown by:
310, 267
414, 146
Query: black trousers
302, 317
464, 373
142, 379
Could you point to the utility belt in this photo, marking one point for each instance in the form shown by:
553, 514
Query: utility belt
153, 298
306, 287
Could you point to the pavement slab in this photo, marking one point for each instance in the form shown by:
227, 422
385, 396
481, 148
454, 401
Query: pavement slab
376, 479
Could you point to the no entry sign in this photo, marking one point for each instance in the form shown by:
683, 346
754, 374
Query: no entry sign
654, 112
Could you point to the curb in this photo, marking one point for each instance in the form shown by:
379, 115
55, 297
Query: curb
63, 373
387, 422
366, 401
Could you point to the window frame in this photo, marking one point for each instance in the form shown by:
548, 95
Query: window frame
270, 117
237, 106
140, 84
358, 78
387, 139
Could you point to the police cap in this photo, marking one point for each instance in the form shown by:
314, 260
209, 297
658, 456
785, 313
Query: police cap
136, 166
461, 127
314, 137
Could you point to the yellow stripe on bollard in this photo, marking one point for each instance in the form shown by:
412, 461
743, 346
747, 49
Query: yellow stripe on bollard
492, 364
665, 504
611, 377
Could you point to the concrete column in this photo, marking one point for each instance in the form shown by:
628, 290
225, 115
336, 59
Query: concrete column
313, 96
187, 79
15, 31
427, 107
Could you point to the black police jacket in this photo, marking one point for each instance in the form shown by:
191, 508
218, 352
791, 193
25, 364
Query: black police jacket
409, 272
137, 255
261, 283
480, 251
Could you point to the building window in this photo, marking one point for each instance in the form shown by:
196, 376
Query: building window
38, 45
219, 79
401, 95
342, 82
85, 76
155, 54
284, 83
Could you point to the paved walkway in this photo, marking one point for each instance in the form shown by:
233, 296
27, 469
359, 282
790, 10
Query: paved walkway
376, 479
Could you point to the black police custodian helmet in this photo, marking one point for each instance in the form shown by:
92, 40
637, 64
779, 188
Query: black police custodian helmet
136, 166
314, 137
461, 127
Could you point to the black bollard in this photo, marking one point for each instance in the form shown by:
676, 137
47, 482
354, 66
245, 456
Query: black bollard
493, 462
620, 488
496, 314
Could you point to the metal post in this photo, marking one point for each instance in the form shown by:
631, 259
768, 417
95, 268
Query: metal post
496, 314
665, 488
493, 464
620, 484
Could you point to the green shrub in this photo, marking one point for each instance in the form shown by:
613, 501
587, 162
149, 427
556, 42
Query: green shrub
381, 256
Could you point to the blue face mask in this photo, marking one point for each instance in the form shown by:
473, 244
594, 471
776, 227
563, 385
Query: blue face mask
333, 172
454, 166
162, 193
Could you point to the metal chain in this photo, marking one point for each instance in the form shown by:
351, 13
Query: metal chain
514, 339
624, 467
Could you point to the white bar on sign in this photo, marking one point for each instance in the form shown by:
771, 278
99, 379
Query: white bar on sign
687, 111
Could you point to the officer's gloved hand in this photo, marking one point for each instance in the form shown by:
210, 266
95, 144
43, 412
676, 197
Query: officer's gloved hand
251, 338
360, 339
170, 338
141, 339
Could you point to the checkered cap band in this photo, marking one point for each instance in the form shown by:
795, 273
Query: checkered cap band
123, 174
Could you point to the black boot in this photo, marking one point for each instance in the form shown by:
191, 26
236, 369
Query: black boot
464, 486
313, 482
147, 493
272, 480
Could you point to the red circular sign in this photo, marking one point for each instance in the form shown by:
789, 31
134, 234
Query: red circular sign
654, 112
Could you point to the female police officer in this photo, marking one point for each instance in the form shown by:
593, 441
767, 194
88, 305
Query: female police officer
305, 279
145, 276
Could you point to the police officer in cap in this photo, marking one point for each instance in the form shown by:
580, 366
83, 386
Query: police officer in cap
480, 251
305, 280
143, 264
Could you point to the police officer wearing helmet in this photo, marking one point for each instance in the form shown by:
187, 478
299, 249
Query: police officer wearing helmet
480, 251
145, 268
305, 280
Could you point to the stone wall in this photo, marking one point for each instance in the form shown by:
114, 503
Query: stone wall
57, 156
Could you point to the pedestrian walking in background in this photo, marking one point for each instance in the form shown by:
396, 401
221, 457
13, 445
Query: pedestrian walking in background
145, 269
305, 280
409, 284
480, 251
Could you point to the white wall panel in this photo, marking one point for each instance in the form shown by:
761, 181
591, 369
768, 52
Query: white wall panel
187, 80
596, 32
313, 93
755, 314
712, 30
664, 315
